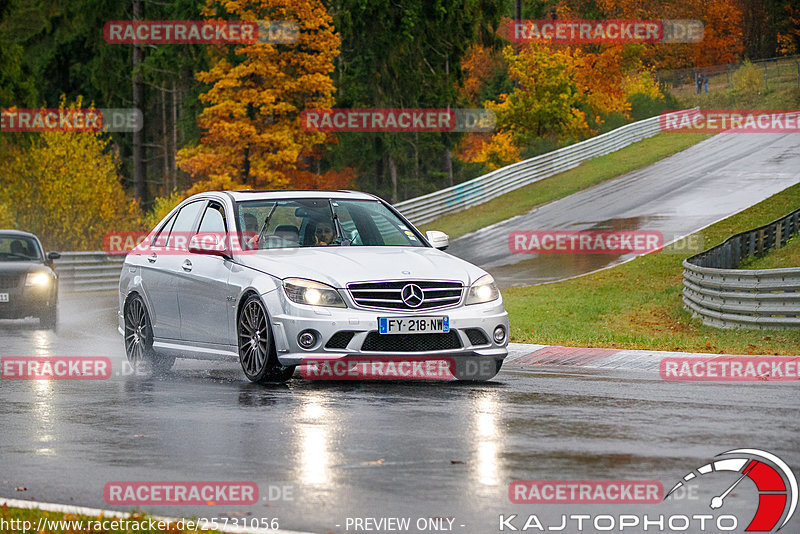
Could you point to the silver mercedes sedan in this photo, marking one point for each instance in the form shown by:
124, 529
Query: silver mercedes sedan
279, 279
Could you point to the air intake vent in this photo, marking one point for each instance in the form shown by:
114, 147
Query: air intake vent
411, 342
340, 339
10, 282
477, 337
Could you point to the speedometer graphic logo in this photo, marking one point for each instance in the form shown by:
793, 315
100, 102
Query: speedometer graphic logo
775, 482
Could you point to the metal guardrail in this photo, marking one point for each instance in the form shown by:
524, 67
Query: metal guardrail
428, 207
727, 297
98, 271
88, 271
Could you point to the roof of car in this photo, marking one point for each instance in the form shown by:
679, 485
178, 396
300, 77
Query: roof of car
17, 233
239, 196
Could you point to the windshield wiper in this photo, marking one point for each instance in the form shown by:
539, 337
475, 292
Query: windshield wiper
266, 222
21, 256
339, 230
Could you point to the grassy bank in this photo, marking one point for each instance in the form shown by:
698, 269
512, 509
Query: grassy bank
42, 522
787, 256
589, 173
638, 304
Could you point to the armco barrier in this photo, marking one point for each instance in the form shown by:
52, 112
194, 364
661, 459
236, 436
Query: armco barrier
88, 271
428, 207
727, 297
97, 271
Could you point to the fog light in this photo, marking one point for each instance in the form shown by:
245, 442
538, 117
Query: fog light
307, 339
499, 334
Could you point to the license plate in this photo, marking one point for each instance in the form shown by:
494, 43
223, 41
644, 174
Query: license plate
3, 297
414, 325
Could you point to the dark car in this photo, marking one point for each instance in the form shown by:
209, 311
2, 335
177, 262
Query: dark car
28, 283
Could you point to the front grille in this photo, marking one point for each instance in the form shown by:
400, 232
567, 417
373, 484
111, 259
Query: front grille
10, 281
476, 336
411, 342
388, 295
340, 339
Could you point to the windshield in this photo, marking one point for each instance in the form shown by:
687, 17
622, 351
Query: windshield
292, 223
19, 248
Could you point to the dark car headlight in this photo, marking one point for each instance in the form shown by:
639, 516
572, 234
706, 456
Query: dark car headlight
312, 293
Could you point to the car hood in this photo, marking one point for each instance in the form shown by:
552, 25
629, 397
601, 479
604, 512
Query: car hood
20, 267
338, 266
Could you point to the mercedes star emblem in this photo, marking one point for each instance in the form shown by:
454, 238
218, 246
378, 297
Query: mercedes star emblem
412, 295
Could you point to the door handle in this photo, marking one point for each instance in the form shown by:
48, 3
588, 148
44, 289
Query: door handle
152, 258
187, 266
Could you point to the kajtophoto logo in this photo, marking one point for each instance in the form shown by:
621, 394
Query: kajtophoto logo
774, 480
774, 499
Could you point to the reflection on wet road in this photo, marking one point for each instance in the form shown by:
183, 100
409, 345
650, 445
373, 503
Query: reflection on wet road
676, 196
359, 449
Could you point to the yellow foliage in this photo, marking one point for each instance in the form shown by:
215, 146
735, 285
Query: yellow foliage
641, 83
545, 95
161, 207
748, 83
6, 219
65, 188
498, 152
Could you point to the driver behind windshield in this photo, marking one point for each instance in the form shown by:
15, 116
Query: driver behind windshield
323, 234
18, 248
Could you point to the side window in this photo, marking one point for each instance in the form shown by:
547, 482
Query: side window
213, 219
185, 225
160, 239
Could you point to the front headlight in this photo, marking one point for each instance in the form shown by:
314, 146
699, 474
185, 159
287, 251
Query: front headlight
483, 290
38, 280
313, 293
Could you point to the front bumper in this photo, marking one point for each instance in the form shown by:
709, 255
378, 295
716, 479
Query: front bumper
27, 302
292, 319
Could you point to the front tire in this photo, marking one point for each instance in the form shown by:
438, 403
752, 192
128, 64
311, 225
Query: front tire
49, 319
139, 340
477, 369
256, 346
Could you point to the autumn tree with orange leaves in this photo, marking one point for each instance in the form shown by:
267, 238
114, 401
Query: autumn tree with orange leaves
253, 134
722, 40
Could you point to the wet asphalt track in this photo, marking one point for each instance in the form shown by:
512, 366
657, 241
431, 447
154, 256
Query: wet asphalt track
411, 449
676, 196
372, 449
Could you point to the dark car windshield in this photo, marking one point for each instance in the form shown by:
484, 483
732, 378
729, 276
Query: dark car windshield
19, 248
292, 223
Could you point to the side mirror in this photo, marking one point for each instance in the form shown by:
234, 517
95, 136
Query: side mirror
438, 239
53, 255
209, 244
